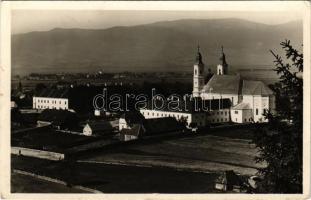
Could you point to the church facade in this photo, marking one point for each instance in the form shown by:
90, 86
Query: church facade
250, 99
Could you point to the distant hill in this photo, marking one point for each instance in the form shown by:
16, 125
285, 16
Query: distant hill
161, 46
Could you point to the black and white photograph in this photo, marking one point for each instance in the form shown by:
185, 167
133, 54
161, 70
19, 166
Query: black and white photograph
164, 100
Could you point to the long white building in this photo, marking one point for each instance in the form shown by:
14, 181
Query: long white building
209, 111
51, 99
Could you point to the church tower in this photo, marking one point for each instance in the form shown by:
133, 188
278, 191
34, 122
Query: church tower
198, 75
222, 68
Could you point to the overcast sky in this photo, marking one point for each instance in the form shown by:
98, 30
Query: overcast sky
26, 21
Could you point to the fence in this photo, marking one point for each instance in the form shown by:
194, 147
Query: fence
37, 153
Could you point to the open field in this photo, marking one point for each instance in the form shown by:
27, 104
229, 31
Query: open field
207, 153
116, 178
49, 140
27, 184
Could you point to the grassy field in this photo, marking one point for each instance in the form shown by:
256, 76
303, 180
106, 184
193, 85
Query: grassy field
112, 178
207, 153
27, 184
49, 140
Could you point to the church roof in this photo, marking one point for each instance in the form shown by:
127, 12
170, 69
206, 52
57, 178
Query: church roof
223, 84
255, 88
242, 106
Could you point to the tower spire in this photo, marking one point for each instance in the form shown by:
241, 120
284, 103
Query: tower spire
199, 56
223, 57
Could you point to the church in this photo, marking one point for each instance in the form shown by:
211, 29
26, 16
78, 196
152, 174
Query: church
249, 99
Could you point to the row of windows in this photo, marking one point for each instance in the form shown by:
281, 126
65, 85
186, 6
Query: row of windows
220, 120
257, 111
52, 101
245, 120
48, 107
219, 113
164, 115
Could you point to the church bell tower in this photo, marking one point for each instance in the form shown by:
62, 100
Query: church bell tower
222, 68
198, 75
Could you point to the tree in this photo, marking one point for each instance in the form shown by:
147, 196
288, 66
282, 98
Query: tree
39, 87
280, 142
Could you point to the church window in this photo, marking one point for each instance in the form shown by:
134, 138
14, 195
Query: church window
256, 111
195, 72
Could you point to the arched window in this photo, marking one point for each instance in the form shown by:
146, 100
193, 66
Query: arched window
195, 72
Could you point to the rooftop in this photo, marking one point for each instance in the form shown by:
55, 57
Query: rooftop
223, 84
255, 88
242, 106
53, 93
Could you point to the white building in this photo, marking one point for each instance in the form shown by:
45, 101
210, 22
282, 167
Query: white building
250, 100
51, 99
193, 111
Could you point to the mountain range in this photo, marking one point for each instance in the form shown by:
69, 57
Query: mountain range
160, 46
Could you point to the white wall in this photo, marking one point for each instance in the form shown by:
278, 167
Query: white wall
198, 80
130, 137
122, 124
259, 104
242, 116
198, 118
87, 130
50, 103
234, 98
220, 70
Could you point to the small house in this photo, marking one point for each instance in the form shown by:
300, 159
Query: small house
128, 119
98, 128
133, 133
59, 119
151, 127
229, 181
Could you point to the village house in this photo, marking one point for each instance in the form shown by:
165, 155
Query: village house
151, 127
129, 119
230, 181
98, 128
59, 119
191, 111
